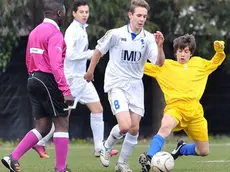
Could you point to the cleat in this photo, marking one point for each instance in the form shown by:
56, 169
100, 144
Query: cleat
113, 153
176, 152
122, 167
145, 161
11, 164
97, 154
41, 151
105, 156
65, 170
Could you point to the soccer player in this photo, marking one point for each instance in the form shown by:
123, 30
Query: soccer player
77, 54
183, 82
129, 48
48, 90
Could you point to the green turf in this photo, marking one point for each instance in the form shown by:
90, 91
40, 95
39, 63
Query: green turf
81, 159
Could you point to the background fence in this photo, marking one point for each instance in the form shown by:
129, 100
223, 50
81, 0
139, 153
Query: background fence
16, 118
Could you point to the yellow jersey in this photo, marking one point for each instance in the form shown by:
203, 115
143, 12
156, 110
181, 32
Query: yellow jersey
184, 82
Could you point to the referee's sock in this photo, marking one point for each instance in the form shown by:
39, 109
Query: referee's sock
188, 149
30, 139
61, 142
156, 144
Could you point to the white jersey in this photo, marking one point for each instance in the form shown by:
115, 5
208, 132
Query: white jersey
127, 56
77, 52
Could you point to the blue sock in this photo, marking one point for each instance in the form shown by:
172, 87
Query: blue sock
188, 149
156, 144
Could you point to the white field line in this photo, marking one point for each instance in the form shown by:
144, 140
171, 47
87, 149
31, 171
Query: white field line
216, 161
51, 146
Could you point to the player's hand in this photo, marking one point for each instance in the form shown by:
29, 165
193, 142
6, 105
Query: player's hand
69, 100
159, 37
89, 76
219, 46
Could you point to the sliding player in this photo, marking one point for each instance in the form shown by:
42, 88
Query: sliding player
183, 83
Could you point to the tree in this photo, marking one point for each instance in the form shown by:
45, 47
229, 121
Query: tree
18, 18
207, 20
8, 36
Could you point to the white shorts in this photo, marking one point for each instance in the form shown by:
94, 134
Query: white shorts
83, 91
127, 100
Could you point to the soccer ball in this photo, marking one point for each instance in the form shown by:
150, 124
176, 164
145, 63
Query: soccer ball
162, 162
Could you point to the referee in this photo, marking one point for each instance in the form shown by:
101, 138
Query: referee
47, 87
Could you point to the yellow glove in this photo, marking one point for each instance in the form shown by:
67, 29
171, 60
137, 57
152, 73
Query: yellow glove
219, 46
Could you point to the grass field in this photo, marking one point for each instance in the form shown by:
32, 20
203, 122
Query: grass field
81, 159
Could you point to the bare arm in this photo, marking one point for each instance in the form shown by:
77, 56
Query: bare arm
89, 76
161, 55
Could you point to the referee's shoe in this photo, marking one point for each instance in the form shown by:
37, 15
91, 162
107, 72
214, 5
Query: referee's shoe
11, 164
65, 170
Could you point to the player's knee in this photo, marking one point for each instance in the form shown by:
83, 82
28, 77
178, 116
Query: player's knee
96, 108
100, 109
203, 152
44, 131
124, 128
61, 124
164, 131
134, 130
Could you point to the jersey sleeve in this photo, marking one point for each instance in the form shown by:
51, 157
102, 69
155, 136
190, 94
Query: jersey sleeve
74, 49
217, 60
152, 50
151, 69
55, 51
107, 41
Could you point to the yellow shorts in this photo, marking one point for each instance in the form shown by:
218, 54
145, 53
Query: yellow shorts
190, 118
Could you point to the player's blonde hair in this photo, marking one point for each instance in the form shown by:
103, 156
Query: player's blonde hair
185, 41
138, 3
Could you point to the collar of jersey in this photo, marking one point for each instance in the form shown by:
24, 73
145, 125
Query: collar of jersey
83, 26
140, 35
47, 20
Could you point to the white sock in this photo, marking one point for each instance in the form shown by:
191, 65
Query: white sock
127, 148
97, 126
114, 136
45, 139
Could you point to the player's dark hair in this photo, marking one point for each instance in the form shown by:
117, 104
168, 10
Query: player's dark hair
78, 3
51, 7
138, 3
185, 41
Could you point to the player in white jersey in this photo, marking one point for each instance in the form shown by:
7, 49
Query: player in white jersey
77, 54
129, 48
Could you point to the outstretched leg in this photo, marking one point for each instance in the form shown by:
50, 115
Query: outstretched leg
167, 125
198, 131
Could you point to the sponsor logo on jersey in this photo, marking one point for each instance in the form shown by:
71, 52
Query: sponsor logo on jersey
142, 43
130, 56
123, 39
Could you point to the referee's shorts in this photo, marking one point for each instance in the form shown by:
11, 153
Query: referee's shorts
45, 97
